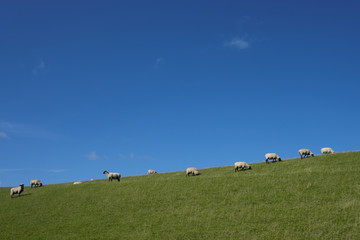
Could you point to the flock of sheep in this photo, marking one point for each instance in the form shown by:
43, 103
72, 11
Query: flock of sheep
189, 171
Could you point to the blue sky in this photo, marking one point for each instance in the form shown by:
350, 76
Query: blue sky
125, 86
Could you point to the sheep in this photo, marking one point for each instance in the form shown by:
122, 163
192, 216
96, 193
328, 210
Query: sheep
151, 171
191, 170
327, 151
35, 182
78, 182
272, 156
242, 165
16, 190
112, 176
305, 153
92, 179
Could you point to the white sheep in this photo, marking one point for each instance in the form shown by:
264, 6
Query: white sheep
242, 165
35, 182
305, 153
78, 182
16, 190
151, 171
273, 156
327, 151
112, 176
191, 170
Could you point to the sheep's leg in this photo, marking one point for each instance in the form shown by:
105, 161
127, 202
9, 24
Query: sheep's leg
267, 161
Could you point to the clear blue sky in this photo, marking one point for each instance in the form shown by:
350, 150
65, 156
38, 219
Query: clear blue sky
125, 86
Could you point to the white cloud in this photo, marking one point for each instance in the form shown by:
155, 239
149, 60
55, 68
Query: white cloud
237, 43
3, 135
92, 156
39, 67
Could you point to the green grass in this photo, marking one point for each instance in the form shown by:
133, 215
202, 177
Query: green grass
313, 198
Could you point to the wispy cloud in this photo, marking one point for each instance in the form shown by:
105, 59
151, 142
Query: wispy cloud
92, 156
127, 156
57, 170
238, 43
6, 125
244, 19
146, 157
132, 156
159, 62
3, 135
26, 130
12, 169
40, 67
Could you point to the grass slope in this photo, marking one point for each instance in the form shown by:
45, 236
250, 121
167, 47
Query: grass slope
313, 198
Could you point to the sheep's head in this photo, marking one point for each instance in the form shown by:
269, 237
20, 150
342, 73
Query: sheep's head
196, 172
312, 154
249, 167
279, 159
40, 184
105, 172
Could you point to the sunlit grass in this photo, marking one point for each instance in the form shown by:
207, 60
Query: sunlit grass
313, 198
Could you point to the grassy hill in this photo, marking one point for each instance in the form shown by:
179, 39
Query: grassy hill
313, 198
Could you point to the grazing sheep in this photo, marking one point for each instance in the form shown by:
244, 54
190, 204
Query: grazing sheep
151, 171
35, 182
112, 176
16, 190
92, 179
273, 156
327, 151
305, 153
191, 170
78, 182
242, 165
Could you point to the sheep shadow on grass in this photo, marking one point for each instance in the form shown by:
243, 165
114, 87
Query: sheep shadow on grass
22, 195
